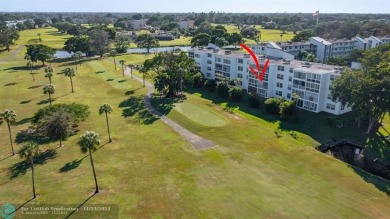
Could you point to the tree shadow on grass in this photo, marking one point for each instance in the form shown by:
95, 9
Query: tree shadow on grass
110, 79
380, 183
23, 121
134, 107
71, 165
75, 210
164, 105
11, 213
121, 81
45, 102
25, 101
10, 84
35, 86
99, 72
22, 167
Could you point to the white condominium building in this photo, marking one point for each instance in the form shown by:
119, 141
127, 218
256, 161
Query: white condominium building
323, 49
284, 77
185, 25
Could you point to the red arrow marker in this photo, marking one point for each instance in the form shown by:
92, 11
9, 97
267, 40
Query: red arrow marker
260, 77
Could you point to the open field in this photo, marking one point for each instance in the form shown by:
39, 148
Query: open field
266, 34
150, 171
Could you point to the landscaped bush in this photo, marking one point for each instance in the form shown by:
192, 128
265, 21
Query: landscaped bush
235, 93
272, 105
210, 85
198, 80
288, 110
223, 89
253, 100
79, 112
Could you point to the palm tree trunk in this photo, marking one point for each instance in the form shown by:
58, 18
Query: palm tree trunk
10, 138
50, 80
123, 71
49, 98
108, 128
32, 73
114, 62
60, 142
131, 72
143, 78
71, 83
33, 179
93, 169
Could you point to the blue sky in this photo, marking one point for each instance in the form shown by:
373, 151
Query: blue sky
250, 6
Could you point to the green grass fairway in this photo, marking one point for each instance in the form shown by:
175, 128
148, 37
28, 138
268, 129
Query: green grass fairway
101, 68
199, 114
150, 171
266, 34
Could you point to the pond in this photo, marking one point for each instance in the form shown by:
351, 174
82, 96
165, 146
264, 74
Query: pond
63, 54
158, 49
60, 54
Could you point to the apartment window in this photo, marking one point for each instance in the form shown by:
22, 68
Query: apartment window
288, 95
226, 61
208, 68
197, 56
289, 87
218, 59
329, 96
209, 61
330, 106
191, 54
300, 75
280, 76
278, 93
289, 78
240, 68
291, 70
239, 75
280, 85
332, 77
312, 87
280, 68
240, 61
209, 55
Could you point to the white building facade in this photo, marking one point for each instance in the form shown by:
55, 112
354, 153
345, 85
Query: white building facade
323, 49
284, 77
185, 25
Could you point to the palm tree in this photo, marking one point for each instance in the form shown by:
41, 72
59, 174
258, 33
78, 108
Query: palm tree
281, 37
88, 142
28, 152
79, 54
107, 109
143, 73
122, 62
49, 89
70, 72
49, 72
113, 54
30, 64
9, 116
131, 66
39, 35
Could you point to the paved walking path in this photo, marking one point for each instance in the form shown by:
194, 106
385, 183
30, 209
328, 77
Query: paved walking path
197, 142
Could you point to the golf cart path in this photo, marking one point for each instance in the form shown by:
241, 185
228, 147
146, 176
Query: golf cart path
197, 142
12, 54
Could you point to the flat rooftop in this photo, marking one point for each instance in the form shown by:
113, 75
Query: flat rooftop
317, 68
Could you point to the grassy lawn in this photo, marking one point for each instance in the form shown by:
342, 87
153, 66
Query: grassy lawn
150, 171
199, 114
266, 34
